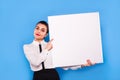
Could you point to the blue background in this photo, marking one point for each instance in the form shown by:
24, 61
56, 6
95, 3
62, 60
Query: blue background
18, 19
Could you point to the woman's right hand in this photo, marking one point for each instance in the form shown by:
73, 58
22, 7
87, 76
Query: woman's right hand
49, 45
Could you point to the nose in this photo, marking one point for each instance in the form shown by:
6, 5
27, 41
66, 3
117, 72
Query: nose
39, 30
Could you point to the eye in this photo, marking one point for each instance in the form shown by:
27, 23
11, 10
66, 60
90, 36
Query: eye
43, 30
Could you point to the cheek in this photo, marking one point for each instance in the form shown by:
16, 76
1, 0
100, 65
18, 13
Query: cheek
34, 32
44, 34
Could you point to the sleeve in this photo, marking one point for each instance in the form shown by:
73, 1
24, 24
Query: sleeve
34, 59
65, 68
75, 67
72, 67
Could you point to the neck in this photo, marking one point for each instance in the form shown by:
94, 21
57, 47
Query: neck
39, 40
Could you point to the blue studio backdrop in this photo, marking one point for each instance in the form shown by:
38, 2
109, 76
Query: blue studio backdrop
18, 19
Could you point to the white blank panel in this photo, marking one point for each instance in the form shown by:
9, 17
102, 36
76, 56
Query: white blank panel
77, 37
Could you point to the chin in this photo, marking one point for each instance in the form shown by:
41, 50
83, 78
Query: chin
38, 38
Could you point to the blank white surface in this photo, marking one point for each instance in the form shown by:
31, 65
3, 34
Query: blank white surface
76, 37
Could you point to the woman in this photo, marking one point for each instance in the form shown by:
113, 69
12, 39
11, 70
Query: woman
39, 57
36, 57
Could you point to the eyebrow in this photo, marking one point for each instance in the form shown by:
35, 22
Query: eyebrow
37, 26
40, 28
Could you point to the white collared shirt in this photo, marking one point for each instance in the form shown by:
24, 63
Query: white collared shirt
35, 58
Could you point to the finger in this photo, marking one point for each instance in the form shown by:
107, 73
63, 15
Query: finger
50, 40
89, 62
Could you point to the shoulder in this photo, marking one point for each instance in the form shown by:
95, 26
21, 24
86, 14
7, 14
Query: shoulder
27, 46
44, 42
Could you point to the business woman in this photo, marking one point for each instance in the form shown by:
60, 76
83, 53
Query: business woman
39, 56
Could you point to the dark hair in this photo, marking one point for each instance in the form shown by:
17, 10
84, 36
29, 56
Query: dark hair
45, 23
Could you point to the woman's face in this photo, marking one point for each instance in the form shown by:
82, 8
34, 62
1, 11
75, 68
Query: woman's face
40, 32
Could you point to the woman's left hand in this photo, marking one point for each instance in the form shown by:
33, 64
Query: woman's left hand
89, 63
49, 45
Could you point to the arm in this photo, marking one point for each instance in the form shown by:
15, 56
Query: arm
35, 59
89, 63
72, 67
